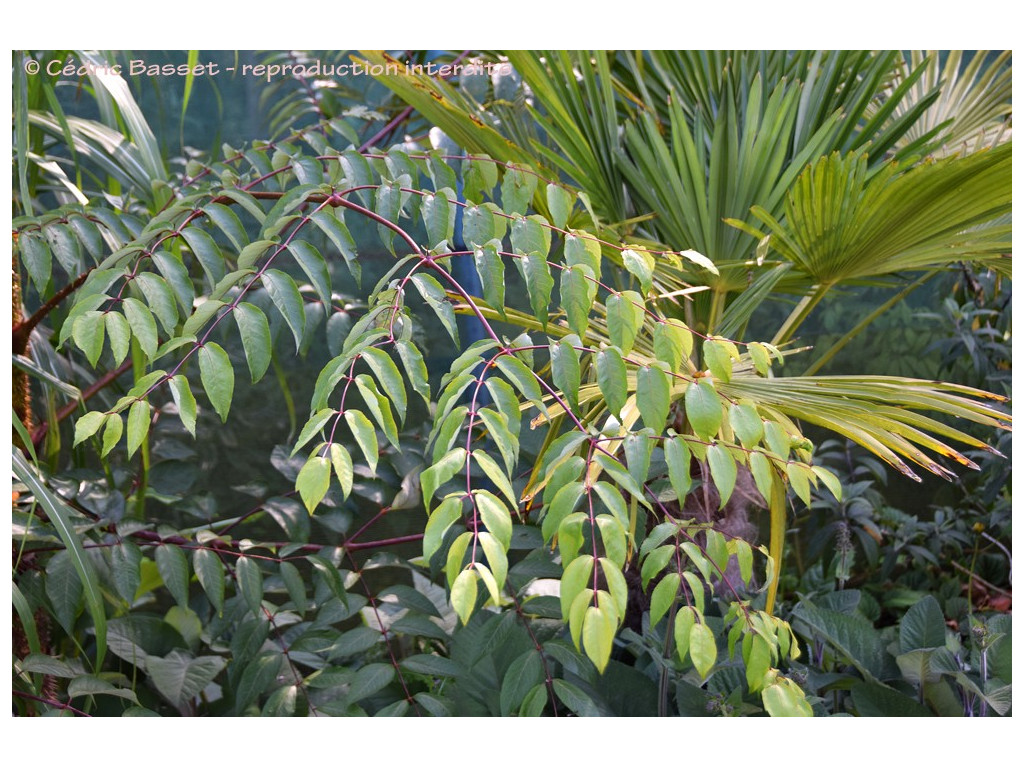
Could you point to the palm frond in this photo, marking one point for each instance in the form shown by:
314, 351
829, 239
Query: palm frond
881, 413
843, 224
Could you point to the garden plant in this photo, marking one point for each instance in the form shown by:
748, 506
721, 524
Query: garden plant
550, 383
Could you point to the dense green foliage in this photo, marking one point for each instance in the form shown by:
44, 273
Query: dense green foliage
543, 344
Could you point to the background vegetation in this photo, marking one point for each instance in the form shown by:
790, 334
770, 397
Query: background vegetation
626, 375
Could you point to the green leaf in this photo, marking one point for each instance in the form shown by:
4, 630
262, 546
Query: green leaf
611, 379
923, 626
160, 299
365, 436
495, 517
760, 357
685, 622
250, 582
517, 188
436, 299
464, 592
143, 325
255, 333
256, 678
539, 285
638, 447
330, 575
599, 625
173, 568
65, 247
560, 203
719, 354
64, 589
746, 424
496, 475
757, 662
112, 431
563, 503
342, 463
206, 310
492, 274
119, 333
521, 377
673, 343
652, 396
531, 235
313, 264
88, 425
438, 218
578, 293
784, 698
390, 379
565, 372
35, 255
90, 685
477, 226
625, 316
582, 248
295, 585
218, 377
380, 408
612, 499
830, 480
125, 564
441, 519
677, 456
777, 439
723, 470
332, 225
415, 368
387, 203
761, 469
639, 263
662, 597
185, 401
703, 408
703, 651
523, 675
210, 573
313, 480
441, 472
88, 333
180, 678
286, 297
206, 251
228, 223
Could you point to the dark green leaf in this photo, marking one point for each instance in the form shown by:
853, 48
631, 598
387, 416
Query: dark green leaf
143, 325
286, 297
186, 402
206, 250
313, 264
492, 274
218, 377
249, 579
88, 334
611, 378
652, 396
565, 371
180, 678
723, 470
255, 332
703, 408
173, 567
